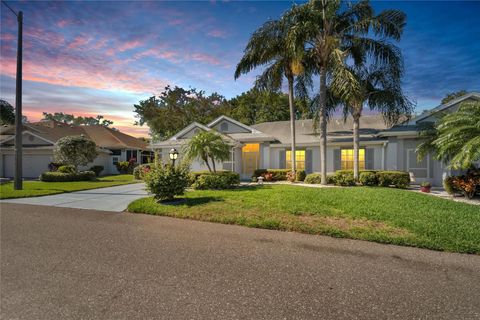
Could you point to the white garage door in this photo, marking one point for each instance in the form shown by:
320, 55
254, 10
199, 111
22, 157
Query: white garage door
33, 165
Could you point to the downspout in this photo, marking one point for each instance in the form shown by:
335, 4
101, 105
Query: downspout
384, 153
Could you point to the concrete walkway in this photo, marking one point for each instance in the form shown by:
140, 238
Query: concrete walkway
104, 199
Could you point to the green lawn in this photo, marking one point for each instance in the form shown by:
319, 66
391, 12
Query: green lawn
39, 188
377, 214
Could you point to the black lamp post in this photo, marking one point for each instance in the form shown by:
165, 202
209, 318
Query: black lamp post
17, 181
173, 155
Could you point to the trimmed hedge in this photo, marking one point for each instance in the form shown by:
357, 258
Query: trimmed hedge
368, 178
278, 174
166, 182
344, 179
313, 178
67, 177
398, 179
66, 169
205, 180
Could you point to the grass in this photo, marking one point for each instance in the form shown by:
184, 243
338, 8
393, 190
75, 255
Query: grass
39, 188
382, 215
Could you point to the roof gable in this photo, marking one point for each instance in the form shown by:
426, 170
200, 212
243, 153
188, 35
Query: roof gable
450, 106
189, 131
233, 126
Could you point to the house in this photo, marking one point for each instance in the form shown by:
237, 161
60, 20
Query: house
267, 145
39, 139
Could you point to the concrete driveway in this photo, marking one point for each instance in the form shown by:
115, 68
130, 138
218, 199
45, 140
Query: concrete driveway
59, 263
104, 199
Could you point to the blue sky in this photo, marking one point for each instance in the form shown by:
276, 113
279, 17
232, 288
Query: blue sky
93, 58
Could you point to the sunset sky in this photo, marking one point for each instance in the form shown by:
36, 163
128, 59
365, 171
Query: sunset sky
90, 58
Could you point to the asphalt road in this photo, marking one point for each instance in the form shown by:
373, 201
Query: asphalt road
59, 263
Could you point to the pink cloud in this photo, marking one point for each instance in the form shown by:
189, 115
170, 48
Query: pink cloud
63, 23
217, 33
133, 44
206, 58
79, 41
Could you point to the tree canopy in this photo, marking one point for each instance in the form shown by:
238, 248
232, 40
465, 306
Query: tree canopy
453, 95
7, 114
72, 119
75, 151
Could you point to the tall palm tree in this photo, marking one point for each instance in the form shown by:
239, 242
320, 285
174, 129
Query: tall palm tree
457, 137
268, 47
207, 146
332, 33
380, 91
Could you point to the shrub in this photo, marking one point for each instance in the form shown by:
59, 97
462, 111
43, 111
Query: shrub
66, 169
53, 166
126, 166
141, 170
313, 178
291, 177
208, 180
450, 186
96, 169
368, 178
398, 179
467, 184
344, 179
166, 182
259, 173
276, 174
301, 175
67, 177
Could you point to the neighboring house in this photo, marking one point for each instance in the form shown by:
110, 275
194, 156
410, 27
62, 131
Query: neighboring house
267, 145
39, 139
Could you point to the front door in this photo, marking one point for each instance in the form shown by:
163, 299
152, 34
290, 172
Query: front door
250, 159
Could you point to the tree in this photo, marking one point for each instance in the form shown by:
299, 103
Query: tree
72, 119
380, 91
453, 95
75, 151
332, 33
176, 108
455, 139
7, 113
207, 146
268, 46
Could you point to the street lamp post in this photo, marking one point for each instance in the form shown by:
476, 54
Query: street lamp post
17, 181
173, 156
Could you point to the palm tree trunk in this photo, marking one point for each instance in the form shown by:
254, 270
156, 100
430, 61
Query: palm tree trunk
213, 163
356, 145
208, 165
292, 123
322, 110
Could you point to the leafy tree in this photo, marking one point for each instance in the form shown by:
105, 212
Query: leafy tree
7, 114
453, 95
332, 33
455, 139
208, 146
176, 108
72, 119
269, 46
75, 151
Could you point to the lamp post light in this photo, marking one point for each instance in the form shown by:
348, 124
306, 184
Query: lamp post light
173, 155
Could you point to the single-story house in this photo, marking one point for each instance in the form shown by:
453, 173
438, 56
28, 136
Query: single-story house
267, 145
39, 139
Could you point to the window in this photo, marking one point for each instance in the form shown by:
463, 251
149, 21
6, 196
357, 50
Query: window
116, 152
114, 160
131, 154
419, 169
347, 159
299, 157
230, 164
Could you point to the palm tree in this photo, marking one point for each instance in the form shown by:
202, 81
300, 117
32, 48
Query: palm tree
456, 139
380, 91
331, 34
207, 146
268, 47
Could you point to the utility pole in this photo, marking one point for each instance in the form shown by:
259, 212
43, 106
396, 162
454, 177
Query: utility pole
17, 182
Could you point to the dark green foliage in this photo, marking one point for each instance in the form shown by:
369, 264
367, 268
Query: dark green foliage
71, 119
166, 182
398, 179
313, 178
368, 178
141, 170
301, 175
97, 169
67, 177
66, 169
7, 113
204, 180
453, 95
344, 179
